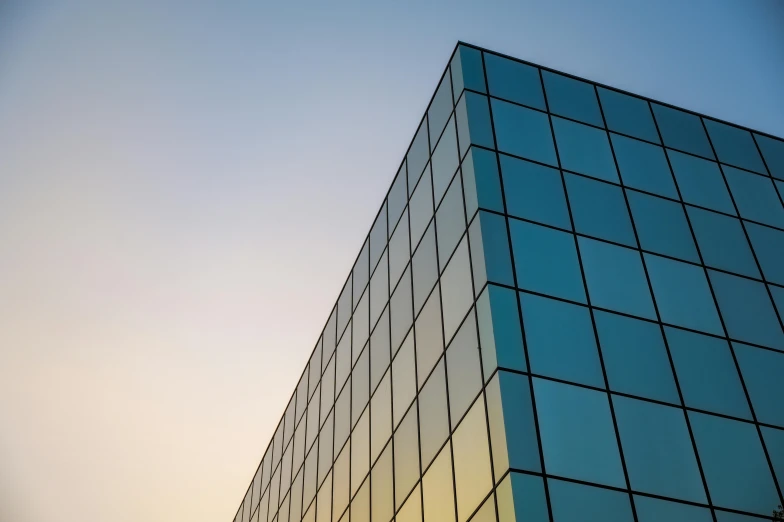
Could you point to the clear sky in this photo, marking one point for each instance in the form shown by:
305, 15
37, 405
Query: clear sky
184, 186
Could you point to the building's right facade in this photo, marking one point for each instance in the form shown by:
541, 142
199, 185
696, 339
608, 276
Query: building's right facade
569, 309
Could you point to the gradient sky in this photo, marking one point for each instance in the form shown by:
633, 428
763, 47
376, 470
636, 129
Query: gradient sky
185, 185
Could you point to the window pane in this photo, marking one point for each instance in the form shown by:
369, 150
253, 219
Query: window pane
379, 350
401, 314
360, 323
457, 292
572, 98
615, 278
722, 242
438, 490
774, 442
343, 359
340, 485
534, 192
683, 295
360, 451
481, 181
599, 209
628, 115
381, 492
747, 310
429, 338
463, 369
380, 417
643, 166
412, 509
707, 374
486, 513
490, 256
399, 252
360, 506
440, 108
655, 510
773, 152
769, 247
662, 226
681, 130
328, 390
755, 197
417, 155
523, 132
378, 237
397, 198
499, 330
467, 70
635, 357
445, 161
584, 149
406, 455
420, 210
403, 379
360, 386
546, 261
379, 290
514, 81
424, 268
473, 122
573, 502
560, 340
735, 468
344, 306
577, 432
325, 452
700, 182
522, 498
473, 477
434, 422
450, 222
762, 371
734, 146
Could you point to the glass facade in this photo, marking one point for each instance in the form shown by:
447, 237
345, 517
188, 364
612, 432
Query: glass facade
569, 308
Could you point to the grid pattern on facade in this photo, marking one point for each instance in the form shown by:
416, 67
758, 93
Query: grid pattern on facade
569, 307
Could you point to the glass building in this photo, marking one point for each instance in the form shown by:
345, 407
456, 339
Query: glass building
569, 308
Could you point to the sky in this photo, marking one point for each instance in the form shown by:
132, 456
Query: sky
184, 187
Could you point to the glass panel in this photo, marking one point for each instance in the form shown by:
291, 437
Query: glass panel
457, 292
302, 390
514, 81
343, 359
482, 184
722, 242
473, 477
412, 509
429, 337
578, 438
755, 197
381, 499
404, 383
324, 502
329, 340
572, 98
463, 369
773, 152
379, 350
360, 386
500, 338
628, 115
360, 323
379, 290
440, 108
774, 442
378, 237
467, 70
445, 161
512, 427
681, 130
295, 510
397, 198
523, 132
762, 370
584, 149
662, 226
328, 390
325, 449
657, 449
682, 294
417, 155
655, 510
313, 423
399, 251
734, 146
769, 247
406, 455
635, 357
700, 182
490, 256
599, 209
521, 498
486, 513
434, 421
473, 122
546, 261
534, 192
643, 166
424, 268
573, 502
420, 210
380, 417
438, 490
340, 485
344, 306
747, 310
360, 506
615, 278
735, 467
560, 340
450, 222
360, 451
401, 314
299, 447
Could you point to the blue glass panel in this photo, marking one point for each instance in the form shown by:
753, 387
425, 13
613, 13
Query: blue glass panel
417, 156
572, 98
681, 130
500, 339
643, 166
778, 299
577, 433
534, 192
635, 357
482, 183
722, 242
726, 516
657, 449
773, 152
656, 510
774, 443
755, 197
518, 422
523, 132
735, 467
584, 149
682, 294
599, 210
747, 310
700, 182
467, 70
762, 372
662, 227
707, 374
560, 340
769, 246
440, 109
628, 115
473, 122
450, 222
490, 250
530, 503
734, 146
514, 81
444, 161
546, 261
576, 502
615, 278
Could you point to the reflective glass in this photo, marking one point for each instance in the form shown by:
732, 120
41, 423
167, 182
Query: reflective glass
681, 130
445, 161
399, 252
450, 222
512, 428
397, 198
490, 256
656, 510
412, 509
406, 455
360, 451
774, 442
342, 417
328, 390
360, 386
514, 81
329, 344
313, 424
628, 115
380, 417
473, 477
534, 192
722, 242
499, 330
473, 122
417, 155
521, 498
584, 149
379, 350
599, 209
762, 372
404, 383
343, 359
755, 197
523, 132
324, 503
769, 246
773, 152
440, 108
700, 182
734, 146
401, 314
429, 337
340, 483
735, 468
481, 181
486, 513
463, 369
360, 505
420, 210
308, 483
467, 70
379, 290
578, 438
378, 238
434, 421
575, 502
457, 292
662, 227
344, 306
302, 390
635, 357
643, 166
424, 268
560, 340
747, 310
615, 278
381, 488
438, 489
325, 452
572, 98
546, 261
682, 294
360, 323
